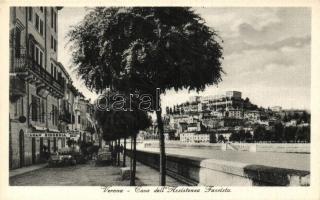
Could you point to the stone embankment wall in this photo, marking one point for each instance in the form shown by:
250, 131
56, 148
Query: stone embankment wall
252, 147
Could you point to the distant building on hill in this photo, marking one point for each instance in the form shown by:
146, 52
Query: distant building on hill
276, 108
197, 137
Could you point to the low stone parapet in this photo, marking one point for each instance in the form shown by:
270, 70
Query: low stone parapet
197, 171
125, 173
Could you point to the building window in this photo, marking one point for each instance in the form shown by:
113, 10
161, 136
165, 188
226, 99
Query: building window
35, 103
16, 108
32, 50
18, 42
79, 119
51, 42
54, 114
38, 55
59, 77
52, 17
55, 21
51, 69
41, 27
30, 14
55, 73
41, 58
37, 22
42, 111
55, 45
22, 111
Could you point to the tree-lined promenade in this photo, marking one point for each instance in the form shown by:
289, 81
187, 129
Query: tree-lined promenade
141, 50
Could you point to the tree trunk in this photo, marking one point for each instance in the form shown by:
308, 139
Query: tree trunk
100, 139
118, 152
124, 152
133, 161
130, 159
162, 150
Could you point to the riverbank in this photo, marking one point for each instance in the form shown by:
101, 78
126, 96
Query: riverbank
252, 147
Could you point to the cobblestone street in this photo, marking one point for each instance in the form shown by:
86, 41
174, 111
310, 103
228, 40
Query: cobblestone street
79, 175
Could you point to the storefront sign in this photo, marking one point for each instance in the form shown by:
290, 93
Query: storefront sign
61, 135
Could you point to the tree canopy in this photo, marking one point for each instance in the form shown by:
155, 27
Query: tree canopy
149, 47
121, 124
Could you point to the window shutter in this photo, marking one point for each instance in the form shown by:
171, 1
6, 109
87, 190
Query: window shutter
30, 12
18, 42
41, 27
51, 42
37, 22
51, 17
37, 55
41, 59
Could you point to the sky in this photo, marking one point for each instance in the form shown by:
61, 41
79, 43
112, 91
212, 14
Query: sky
266, 54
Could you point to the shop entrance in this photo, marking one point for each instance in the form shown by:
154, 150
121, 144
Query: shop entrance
33, 150
21, 148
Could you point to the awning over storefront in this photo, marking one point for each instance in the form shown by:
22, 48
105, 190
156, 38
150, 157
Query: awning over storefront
39, 128
54, 130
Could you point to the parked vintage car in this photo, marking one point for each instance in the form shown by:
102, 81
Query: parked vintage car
64, 157
104, 157
59, 160
80, 158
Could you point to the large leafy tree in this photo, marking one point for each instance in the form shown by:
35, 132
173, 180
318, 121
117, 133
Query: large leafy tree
145, 48
117, 124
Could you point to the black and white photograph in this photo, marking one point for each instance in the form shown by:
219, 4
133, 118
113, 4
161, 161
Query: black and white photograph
179, 99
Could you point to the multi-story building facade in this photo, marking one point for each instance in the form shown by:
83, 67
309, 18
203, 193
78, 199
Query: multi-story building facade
276, 108
234, 113
84, 124
35, 83
41, 90
231, 100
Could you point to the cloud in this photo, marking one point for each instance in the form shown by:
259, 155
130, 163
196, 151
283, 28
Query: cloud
238, 46
267, 53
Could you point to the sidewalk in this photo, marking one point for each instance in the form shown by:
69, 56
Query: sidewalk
84, 175
23, 170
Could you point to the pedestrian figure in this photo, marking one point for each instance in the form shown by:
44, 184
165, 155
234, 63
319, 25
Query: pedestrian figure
113, 156
121, 149
117, 148
46, 152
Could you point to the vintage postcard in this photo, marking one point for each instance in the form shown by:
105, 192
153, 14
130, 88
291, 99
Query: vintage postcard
159, 100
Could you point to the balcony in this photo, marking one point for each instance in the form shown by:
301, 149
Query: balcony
17, 88
25, 67
67, 118
76, 107
66, 115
